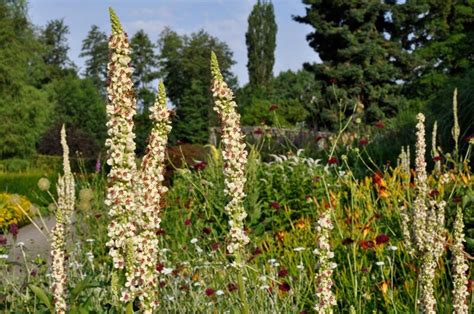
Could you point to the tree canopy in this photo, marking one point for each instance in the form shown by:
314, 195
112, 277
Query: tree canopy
184, 65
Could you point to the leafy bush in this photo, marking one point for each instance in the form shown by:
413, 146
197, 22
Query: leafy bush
14, 165
12, 210
78, 140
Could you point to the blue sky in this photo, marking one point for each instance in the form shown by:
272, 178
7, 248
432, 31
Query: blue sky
225, 19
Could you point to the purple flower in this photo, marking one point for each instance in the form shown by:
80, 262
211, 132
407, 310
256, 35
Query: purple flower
98, 165
13, 229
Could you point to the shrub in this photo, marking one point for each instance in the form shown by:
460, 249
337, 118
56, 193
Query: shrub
79, 141
14, 165
12, 210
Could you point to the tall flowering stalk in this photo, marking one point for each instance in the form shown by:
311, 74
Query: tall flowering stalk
235, 160
324, 295
65, 208
460, 267
427, 221
150, 191
120, 198
434, 148
133, 196
234, 154
456, 130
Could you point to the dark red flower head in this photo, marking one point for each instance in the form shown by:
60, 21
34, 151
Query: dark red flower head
275, 205
347, 241
283, 272
200, 165
434, 193
258, 131
437, 158
332, 161
160, 231
284, 286
363, 141
381, 239
13, 229
187, 222
379, 125
366, 244
273, 107
206, 230
159, 267
318, 138
231, 287
3, 240
215, 246
209, 292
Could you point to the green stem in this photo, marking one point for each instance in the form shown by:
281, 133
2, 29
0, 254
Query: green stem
240, 282
129, 308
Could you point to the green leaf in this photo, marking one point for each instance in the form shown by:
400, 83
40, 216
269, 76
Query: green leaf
81, 286
43, 296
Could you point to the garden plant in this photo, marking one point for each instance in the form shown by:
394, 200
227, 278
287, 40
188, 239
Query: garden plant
239, 234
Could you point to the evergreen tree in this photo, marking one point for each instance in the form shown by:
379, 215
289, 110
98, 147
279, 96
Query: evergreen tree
95, 49
144, 62
361, 65
184, 64
440, 34
54, 39
261, 43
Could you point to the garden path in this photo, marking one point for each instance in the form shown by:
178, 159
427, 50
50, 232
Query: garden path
34, 240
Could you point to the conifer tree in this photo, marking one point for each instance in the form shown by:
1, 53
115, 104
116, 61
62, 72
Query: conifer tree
144, 62
261, 43
56, 47
361, 65
94, 48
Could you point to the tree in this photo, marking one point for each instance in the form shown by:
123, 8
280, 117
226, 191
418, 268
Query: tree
95, 49
54, 39
144, 62
79, 105
23, 106
184, 64
291, 102
440, 34
361, 65
261, 43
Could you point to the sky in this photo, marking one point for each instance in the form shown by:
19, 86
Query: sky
224, 19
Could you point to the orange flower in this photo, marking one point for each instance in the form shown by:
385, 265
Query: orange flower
280, 235
301, 223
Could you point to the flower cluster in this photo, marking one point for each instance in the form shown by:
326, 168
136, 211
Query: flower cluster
120, 198
460, 267
64, 211
427, 221
151, 189
456, 130
324, 295
434, 148
133, 196
234, 154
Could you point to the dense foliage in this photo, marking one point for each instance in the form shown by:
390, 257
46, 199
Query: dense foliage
184, 62
261, 43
